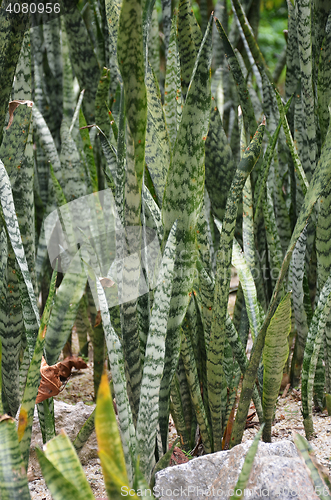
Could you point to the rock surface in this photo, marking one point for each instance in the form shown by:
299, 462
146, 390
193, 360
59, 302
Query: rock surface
278, 474
71, 418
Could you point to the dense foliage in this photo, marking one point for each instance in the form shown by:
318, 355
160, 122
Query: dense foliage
142, 155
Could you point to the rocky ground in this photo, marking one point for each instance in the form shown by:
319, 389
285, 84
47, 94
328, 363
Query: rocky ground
79, 390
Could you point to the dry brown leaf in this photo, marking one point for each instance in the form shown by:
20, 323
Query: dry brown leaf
12, 106
53, 377
68, 364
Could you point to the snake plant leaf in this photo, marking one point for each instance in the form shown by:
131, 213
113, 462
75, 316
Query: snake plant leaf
68, 94
177, 413
88, 150
273, 237
10, 218
22, 84
152, 213
220, 167
172, 87
131, 62
189, 361
157, 151
85, 432
73, 171
154, 44
323, 86
217, 336
246, 468
187, 168
243, 93
116, 360
11, 325
323, 236
1, 405
62, 470
25, 419
305, 37
292, 57
64, 312
113, 8
297, 268
319, 182
166, 22
274, 357
109, 441
47, 141
154, 359
11, 39
247, 282
101, 99
305, 450
189, 42
13, 478
185, 403
83, 58
316, 329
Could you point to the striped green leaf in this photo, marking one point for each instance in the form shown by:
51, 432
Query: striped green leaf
25, 419
273, 237
319, 182
85, 432
313, 344
12, 226
109, 442
154, 43
187, 355
305, 451
243, 93
172, 89
220, 167
116, 361
247, 282
82, 56
62, 470
157, 152
131, 62
101, 100
68, 94
275, 354
11, 39
64, 311
73, 170
323, 86
177, 413
13, 478
154, 360
245, 472
189, 42
222, 283
187, 168
297, 269
305, 46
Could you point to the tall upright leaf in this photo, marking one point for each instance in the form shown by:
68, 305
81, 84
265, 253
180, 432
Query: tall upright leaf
222, 284
187, 168
274, 357
131, 62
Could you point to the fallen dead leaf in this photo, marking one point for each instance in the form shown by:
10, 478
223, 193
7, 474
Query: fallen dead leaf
53, 377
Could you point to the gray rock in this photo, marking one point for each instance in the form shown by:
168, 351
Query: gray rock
71, 418
278, 473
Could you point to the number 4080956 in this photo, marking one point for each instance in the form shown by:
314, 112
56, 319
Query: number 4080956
25, 8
